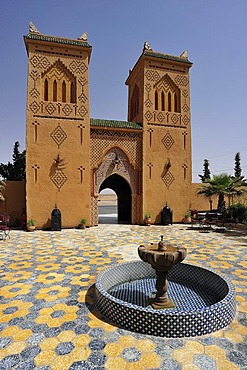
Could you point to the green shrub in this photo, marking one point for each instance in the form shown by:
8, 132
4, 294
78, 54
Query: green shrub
238, 212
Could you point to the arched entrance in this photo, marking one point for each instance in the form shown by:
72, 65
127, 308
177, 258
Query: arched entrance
121, 187
122, 177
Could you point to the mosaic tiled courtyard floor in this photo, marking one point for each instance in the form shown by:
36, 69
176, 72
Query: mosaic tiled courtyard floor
48, 319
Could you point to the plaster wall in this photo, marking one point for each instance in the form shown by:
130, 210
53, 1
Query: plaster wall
15, 201
57, 136
166, 162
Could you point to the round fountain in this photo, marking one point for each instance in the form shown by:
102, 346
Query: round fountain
136, 295
162, 259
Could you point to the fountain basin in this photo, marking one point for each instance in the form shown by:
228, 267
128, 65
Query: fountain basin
123, 292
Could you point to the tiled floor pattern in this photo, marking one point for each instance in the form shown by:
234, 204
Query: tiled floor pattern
48, 319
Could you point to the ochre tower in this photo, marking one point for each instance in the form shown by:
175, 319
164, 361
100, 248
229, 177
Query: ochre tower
57, 128
159, 100
70, 158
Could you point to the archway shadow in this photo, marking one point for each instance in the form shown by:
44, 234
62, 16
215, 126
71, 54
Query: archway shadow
121, 187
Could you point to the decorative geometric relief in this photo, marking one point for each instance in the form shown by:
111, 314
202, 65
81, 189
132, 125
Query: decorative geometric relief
34, 75
168, 141
39, 62
50, 108
67, 109
34, 107
148, 103
160, 117
148, 87
174, 119
82, 111
78, 66
59, 179
58, 135
152, 75
82, 97
34, 93
181, 80
130, 142
82, 81
166, 84
168, 178
185, 93
148, 115
185, 108
186, 120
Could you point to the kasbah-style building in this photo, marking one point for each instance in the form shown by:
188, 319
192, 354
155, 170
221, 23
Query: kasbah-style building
71, 158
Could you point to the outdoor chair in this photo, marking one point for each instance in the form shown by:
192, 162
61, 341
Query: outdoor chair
4, 228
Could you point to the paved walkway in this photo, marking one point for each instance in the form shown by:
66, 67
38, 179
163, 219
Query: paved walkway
47, 315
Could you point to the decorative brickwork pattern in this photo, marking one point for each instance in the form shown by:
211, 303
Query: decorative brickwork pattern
108, 167
166, 84
148, 103
59, 135
82, 111
148, 87
67, 110
186, 109
168, 178
168, 141
82, 98
152, 75
148, 115
50, 108
34, 93
59, 179
34, 107
40, 61
174, 119
186, 120
94, 211
78, 67
181, 80
130, 142
34, 75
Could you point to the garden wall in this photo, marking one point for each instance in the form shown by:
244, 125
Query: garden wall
15, 201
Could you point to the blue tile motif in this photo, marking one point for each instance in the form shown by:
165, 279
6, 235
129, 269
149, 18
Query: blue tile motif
205, 301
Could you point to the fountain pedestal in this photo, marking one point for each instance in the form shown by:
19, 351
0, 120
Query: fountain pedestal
162, 258
161, 299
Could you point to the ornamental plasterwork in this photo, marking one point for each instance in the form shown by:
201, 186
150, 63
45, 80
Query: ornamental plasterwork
108, 167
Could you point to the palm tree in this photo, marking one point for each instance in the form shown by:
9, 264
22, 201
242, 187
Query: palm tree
2, 186
237, 187
222, 185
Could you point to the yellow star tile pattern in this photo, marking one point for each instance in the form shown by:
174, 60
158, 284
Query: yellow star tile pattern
48, 317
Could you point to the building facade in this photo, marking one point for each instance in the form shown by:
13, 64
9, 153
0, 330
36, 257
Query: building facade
71, 158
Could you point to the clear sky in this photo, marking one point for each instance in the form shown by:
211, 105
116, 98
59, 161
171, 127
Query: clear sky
213, 31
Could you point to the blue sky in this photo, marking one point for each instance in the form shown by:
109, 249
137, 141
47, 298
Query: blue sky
213, 31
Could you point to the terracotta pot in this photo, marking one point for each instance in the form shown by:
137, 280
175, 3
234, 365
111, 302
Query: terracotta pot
30, 228
148, 221
187, 220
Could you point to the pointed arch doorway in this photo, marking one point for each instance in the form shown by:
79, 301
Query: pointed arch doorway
124, 199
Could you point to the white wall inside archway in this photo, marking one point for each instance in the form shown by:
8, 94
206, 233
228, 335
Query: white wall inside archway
107, 206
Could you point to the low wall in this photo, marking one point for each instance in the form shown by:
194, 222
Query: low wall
199, 201
15, 201
107, 199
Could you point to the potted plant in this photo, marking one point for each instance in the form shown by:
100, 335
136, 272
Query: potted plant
187, 218
31, 225
82, 224
148, 219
